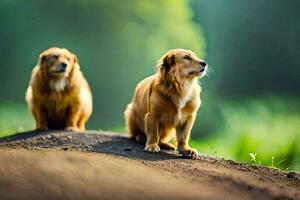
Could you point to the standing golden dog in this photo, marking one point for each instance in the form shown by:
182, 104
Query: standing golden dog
167, 102
58, 95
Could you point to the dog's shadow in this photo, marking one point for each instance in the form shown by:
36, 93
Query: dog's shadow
90, 141
122, 146
23, 135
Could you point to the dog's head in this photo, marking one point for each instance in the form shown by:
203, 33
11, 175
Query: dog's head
57, 62
184, 63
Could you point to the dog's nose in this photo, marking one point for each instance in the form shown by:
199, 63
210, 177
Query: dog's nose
202, 66
202, 63
63, 65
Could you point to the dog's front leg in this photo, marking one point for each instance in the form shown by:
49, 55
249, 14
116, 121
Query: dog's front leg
41, 118
73, 114
183, 135
152, 133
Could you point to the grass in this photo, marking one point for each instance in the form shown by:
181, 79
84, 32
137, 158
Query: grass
14, 117
261, 132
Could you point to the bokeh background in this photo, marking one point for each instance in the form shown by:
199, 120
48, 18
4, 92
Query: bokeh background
251, 107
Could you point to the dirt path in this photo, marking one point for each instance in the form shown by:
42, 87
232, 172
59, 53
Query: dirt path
100, 165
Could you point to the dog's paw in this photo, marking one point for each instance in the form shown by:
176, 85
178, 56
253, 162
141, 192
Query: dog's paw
154, 148
189, 153
71, 128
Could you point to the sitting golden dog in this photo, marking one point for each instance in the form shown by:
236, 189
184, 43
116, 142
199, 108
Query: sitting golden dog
167, 102
58, 95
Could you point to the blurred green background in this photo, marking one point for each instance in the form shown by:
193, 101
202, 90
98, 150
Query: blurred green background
251, 107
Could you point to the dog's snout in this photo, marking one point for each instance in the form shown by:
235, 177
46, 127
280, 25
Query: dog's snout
202, 66
202, 63
63, 65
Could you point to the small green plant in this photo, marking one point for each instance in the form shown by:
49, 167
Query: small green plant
273, 164
254, 158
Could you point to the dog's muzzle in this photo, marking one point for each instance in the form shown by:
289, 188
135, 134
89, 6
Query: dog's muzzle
60, 68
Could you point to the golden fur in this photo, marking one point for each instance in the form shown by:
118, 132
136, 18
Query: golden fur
58, 95
167, 102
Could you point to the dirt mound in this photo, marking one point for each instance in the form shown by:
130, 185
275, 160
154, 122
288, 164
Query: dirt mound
103, 165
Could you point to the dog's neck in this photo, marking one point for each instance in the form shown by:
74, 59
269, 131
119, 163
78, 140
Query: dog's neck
179, 92
59, 85
186, 92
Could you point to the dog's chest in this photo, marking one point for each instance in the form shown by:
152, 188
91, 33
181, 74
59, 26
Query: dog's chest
181, 116
188, 105
185, 98
57, 100
58, 85
56, 103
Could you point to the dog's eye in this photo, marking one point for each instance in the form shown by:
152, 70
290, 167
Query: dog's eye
55, 57
187, 57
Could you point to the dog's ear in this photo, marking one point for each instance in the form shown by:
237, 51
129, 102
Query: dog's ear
75, 59
75, 62
168, 60
42, 58
165, 64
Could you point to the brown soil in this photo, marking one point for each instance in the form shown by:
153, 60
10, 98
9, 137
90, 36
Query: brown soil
102, 165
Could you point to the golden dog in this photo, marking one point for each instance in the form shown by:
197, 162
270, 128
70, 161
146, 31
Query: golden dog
58, 95
167, 102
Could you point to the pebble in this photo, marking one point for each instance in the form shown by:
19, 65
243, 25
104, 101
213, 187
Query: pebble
49, 136
88, 147
69, 137
290, 174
